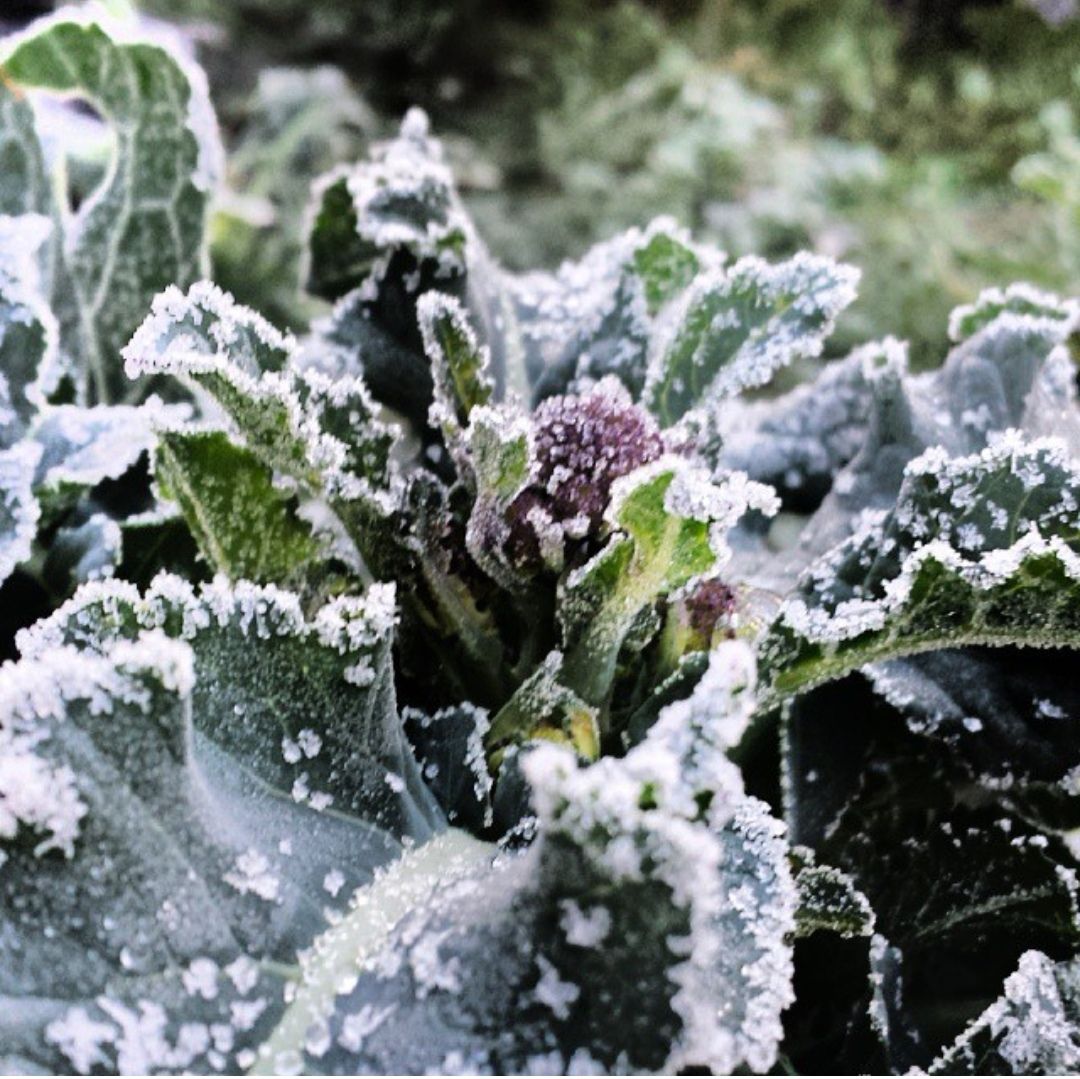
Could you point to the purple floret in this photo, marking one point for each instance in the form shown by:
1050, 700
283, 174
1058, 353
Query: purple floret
583, 443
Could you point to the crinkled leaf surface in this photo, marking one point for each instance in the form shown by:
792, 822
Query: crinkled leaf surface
671, 525
248, 528
737, 327
182, 808
978, 550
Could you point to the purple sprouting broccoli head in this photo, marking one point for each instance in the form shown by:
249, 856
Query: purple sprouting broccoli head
583, 443
710, 606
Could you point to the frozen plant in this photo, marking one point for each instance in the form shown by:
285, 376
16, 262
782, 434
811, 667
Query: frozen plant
466, 742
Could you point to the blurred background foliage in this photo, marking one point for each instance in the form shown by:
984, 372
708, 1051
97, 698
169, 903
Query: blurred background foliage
933, 143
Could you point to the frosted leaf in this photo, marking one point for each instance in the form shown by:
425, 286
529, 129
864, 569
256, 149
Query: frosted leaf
1010, 715
19, 510
597, 316
29, 333
310, 692
401, 200
319, 432
671, 523
143, 228
244, 526
449, 748
131, 751
830, 901
24, 184
798, 443
1033, 1028
89, 551
977, 550
647, 866
1012, 373
459, 363
736, 327
1018, 298
542, 707
83, 446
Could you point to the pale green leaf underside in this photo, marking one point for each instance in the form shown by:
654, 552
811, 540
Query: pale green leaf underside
144, 227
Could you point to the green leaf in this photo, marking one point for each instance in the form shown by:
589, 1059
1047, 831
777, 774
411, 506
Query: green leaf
1013, 373
978, 550
402, 201
542, 708
246, 527
799, 442
459, 363
830, 901
320, 432
602, 946
144, 227
29, 335
184, 814
500, 457
24, 181
81, 447
598, 316
737, 327
1033, 1028
666, 265
670, 521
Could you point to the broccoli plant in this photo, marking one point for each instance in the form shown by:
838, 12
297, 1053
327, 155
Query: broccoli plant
545, 695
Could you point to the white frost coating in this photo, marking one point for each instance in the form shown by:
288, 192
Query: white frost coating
805, 295
19, 509
201, 118
432, 308
83, 446
1029, 1025
201, 978
693, 495
159, 346
246, 365
602, 810
406, 170
356, 1026
569, 309
36, 694
1019, 297
253, 875
584, 929
357, 627
552, 991
982, 562
723, 700
81, 1039
21, 240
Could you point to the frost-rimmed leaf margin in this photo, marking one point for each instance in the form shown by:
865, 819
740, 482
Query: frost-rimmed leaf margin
736, 327
655, 865
1031, 1029
993, 573
341, 689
